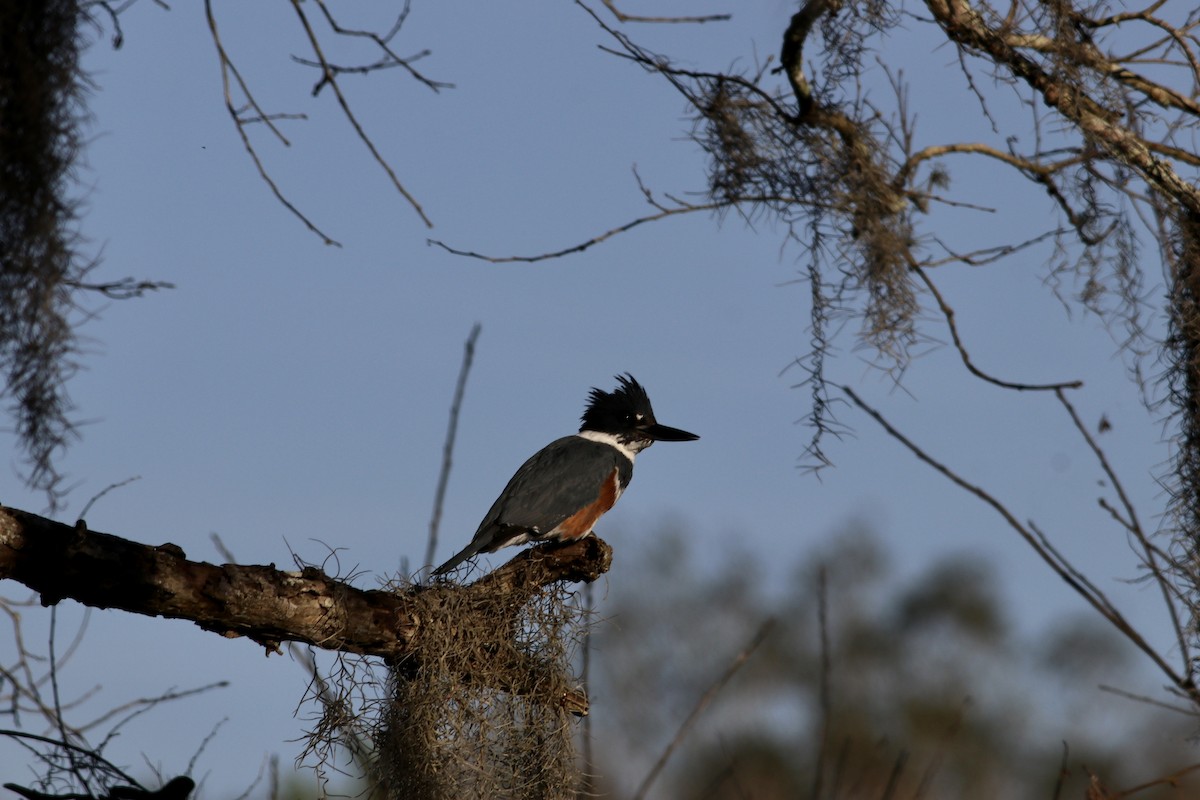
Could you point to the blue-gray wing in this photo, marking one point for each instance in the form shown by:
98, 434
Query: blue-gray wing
558, 480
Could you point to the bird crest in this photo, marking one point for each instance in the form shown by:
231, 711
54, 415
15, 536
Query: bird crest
626, 404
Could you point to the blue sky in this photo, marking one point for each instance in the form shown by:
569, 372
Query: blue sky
291, 396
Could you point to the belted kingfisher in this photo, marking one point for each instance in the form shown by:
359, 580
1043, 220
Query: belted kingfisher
564, 488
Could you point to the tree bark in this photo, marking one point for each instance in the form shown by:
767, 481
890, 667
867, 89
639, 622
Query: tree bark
260, 602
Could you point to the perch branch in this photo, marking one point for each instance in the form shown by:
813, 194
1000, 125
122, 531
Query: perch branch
260, 602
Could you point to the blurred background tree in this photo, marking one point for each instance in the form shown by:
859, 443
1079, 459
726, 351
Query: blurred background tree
924, 687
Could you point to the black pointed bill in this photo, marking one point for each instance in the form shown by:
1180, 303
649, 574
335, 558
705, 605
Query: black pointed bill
665, 433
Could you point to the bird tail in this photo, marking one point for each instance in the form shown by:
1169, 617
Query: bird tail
472, 549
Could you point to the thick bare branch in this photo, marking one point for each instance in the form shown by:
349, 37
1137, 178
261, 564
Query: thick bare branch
260, 602
791, 55
967, 28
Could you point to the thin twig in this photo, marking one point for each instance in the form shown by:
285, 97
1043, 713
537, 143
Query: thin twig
123, 289
228, 68
212, 734
1033, 537
939, 754
894, 777
825, 695
579, 248
58, 712
390, 59
948, 313
141, 706
1149, 551
1171, 780
585, 671
1188, 712
88, 506
702, 704
329, 78
1063, 772
108, 765
439, 496
987, 255
623, 17
655, 63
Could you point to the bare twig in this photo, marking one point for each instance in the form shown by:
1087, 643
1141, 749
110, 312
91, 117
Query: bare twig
76, 768
389, 59
1187, 712
585, 678
1150, 553
439, 496
123, 289
1171, 780
329, 78
948, 313
579, 248
1033, 537
141, 705
1063, 772
825, 694
701, 705
984, 256
623, 17
228, 68
83, 751
204, 743
894, 776
88, 506
935, 762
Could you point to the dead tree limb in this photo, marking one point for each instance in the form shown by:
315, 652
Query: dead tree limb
260, 602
